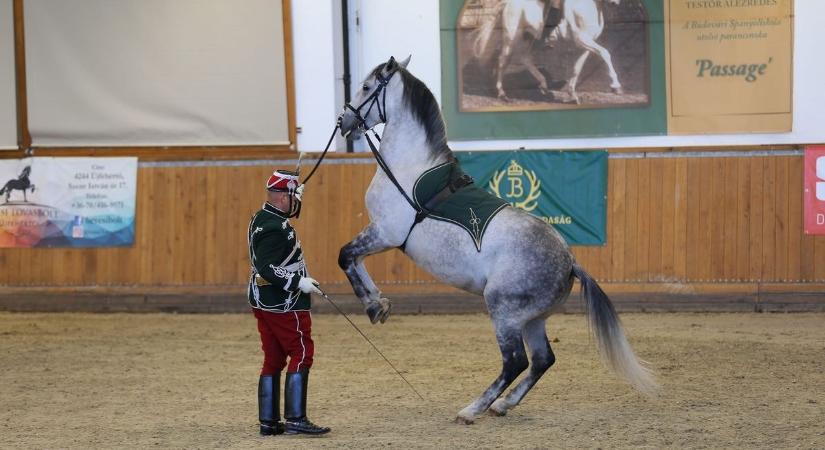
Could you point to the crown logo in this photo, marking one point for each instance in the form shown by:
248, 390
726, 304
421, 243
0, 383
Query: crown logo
514, 170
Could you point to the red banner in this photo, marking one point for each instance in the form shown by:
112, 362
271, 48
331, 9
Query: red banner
815, 189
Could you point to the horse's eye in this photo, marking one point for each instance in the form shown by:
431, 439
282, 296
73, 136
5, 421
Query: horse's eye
365, 87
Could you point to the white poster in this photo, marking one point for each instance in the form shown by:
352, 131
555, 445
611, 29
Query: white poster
67, 202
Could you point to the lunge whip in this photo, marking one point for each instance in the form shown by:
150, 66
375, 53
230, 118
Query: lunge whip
370, 342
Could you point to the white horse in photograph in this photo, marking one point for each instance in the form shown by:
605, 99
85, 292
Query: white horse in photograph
523, 268
522, 22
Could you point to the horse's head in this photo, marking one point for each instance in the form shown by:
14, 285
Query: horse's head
26, 172
380, 92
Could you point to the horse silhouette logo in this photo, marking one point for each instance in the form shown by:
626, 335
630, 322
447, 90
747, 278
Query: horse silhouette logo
21, 183
516, 195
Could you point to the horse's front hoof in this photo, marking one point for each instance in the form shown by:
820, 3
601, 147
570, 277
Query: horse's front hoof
463, 421
618, 90
379, 311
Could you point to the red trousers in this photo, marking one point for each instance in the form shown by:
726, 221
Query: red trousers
282, 335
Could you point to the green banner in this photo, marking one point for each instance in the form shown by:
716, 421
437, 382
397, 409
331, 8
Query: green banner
567, 189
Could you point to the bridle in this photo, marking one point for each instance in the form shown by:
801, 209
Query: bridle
373, 101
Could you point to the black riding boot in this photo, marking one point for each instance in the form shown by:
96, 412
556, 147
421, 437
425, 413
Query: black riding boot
551, 21
295, 405
268, 404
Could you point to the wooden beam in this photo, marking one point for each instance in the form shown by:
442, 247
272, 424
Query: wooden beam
289, 66
191, 153
24, 139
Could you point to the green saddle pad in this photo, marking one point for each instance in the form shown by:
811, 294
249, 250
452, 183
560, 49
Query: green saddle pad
469, 207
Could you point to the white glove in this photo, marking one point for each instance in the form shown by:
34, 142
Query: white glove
308, 285
299, 191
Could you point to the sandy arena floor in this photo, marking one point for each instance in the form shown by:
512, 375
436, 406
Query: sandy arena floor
166, 380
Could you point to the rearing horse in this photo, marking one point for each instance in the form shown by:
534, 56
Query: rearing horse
523, 268
21, 183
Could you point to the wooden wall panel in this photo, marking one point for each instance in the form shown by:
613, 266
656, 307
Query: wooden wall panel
670, 220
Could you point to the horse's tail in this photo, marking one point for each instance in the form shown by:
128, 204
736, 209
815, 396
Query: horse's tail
485, 31
610, 338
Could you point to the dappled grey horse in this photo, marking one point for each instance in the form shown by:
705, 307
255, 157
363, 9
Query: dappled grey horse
523, 267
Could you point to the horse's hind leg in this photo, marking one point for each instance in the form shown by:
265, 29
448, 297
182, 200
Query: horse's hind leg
515, 362
577, 70
503, 59
589, 43
541, 358
536, 73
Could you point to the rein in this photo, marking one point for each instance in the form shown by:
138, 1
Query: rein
329, 142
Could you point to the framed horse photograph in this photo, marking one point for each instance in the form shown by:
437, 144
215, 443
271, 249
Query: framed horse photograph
552, 68
522, 55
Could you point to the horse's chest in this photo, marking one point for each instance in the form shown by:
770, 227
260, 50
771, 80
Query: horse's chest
386, 204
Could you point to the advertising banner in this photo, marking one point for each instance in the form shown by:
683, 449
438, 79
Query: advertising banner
67, 202
516, 69
815, 189
566, 189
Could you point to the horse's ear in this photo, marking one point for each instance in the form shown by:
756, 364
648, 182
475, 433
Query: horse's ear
391, 65
404, 63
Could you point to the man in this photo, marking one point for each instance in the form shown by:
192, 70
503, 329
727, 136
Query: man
279, 291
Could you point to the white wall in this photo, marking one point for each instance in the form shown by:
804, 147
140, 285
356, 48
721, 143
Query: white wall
316, 39
378, 29
8, 104
403, 27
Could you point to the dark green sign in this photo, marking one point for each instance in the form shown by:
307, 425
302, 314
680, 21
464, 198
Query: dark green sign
567, 189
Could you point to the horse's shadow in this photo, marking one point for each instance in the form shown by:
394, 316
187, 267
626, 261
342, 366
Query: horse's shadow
478, 79
21, 183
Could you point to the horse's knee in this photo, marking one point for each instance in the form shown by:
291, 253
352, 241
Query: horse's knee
345, 257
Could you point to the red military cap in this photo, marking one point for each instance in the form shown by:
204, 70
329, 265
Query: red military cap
282, 180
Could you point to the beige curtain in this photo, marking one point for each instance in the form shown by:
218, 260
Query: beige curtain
155, 72
8, 105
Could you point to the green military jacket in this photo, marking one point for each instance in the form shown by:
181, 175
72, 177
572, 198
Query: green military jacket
277, 263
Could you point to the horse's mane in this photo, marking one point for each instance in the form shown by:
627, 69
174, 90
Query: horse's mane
418, 98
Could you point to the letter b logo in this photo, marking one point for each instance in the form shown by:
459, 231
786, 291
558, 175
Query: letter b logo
517, 188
